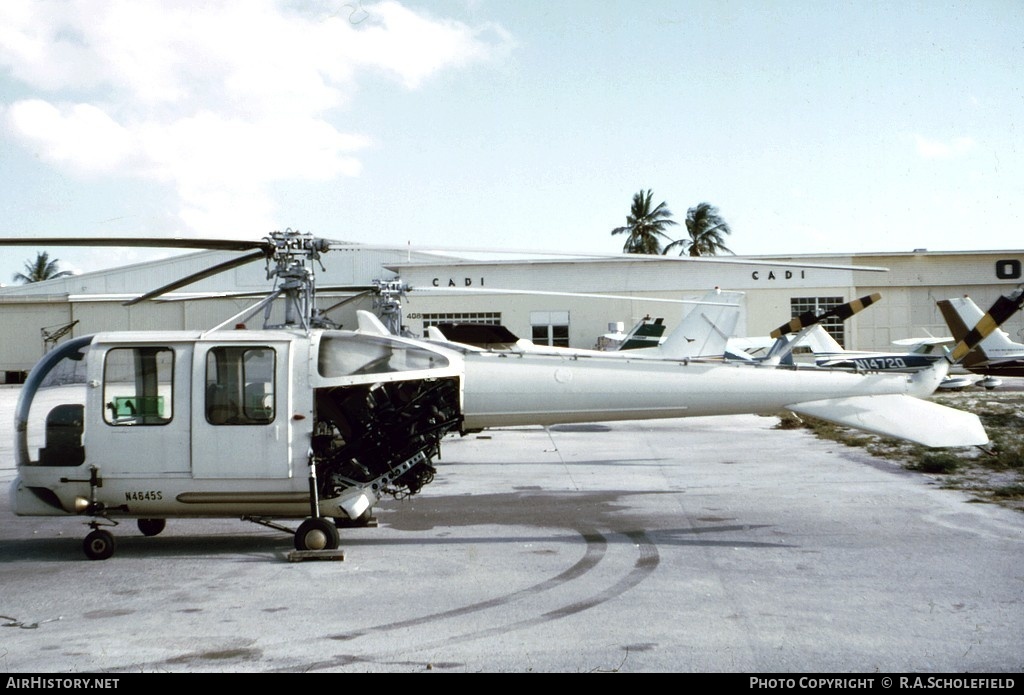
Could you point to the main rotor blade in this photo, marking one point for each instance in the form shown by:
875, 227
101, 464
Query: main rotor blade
153, 242
808, 318
1002, 309
201, 275
492, 290
260, 293
346, 288
640, 257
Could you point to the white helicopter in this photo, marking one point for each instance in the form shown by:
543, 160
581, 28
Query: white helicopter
301, 421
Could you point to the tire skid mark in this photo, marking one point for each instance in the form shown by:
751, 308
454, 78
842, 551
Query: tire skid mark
645, 564
596, 547
597, 544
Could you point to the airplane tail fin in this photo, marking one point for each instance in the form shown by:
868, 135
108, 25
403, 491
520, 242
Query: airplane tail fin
706, 329
642, 335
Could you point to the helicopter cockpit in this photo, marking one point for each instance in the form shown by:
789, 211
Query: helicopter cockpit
50, 414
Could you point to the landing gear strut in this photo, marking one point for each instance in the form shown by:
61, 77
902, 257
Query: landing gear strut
316, 532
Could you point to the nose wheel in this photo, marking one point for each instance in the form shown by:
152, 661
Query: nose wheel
99, 544
316, 533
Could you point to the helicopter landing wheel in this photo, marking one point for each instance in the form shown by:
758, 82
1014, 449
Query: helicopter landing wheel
316, 533
98, 545
152, 527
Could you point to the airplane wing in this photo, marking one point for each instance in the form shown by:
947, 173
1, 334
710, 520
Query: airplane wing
914, 342
905, 417
748, 349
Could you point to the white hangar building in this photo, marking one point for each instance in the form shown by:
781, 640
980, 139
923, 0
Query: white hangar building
448, 289
776, 288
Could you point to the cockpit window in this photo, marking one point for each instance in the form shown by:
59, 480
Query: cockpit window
50, 416
137, 386
352, 356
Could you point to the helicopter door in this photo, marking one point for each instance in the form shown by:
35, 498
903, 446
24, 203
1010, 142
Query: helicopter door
138, 410
239, 422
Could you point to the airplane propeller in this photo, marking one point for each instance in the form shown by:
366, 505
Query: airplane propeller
809, 318
783, 347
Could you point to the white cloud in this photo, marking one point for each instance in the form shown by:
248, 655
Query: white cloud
937, 149
217, 98
82, 136
415, 47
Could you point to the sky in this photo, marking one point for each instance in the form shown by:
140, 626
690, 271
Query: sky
813, 127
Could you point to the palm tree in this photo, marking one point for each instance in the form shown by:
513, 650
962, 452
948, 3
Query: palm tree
645, 226
41, 269
706, 229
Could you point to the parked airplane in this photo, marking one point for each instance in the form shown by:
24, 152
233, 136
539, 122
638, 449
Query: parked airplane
924, 352
994, 356
827, 352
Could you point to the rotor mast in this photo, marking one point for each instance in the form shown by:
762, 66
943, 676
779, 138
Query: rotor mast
388, 303
290, 259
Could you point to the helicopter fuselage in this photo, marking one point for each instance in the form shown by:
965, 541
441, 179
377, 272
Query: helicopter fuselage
231, 423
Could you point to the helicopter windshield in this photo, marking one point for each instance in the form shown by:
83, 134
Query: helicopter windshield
49, 416
343, 355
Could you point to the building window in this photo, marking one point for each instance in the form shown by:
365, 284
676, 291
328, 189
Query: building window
818, 305
489, 318
137, 386
550, 327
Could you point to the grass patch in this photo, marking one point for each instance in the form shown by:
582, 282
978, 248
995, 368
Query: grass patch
1015, 491
1007, 452
937, 462
825, 430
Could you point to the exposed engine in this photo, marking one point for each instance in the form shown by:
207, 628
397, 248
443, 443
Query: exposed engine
384, 436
